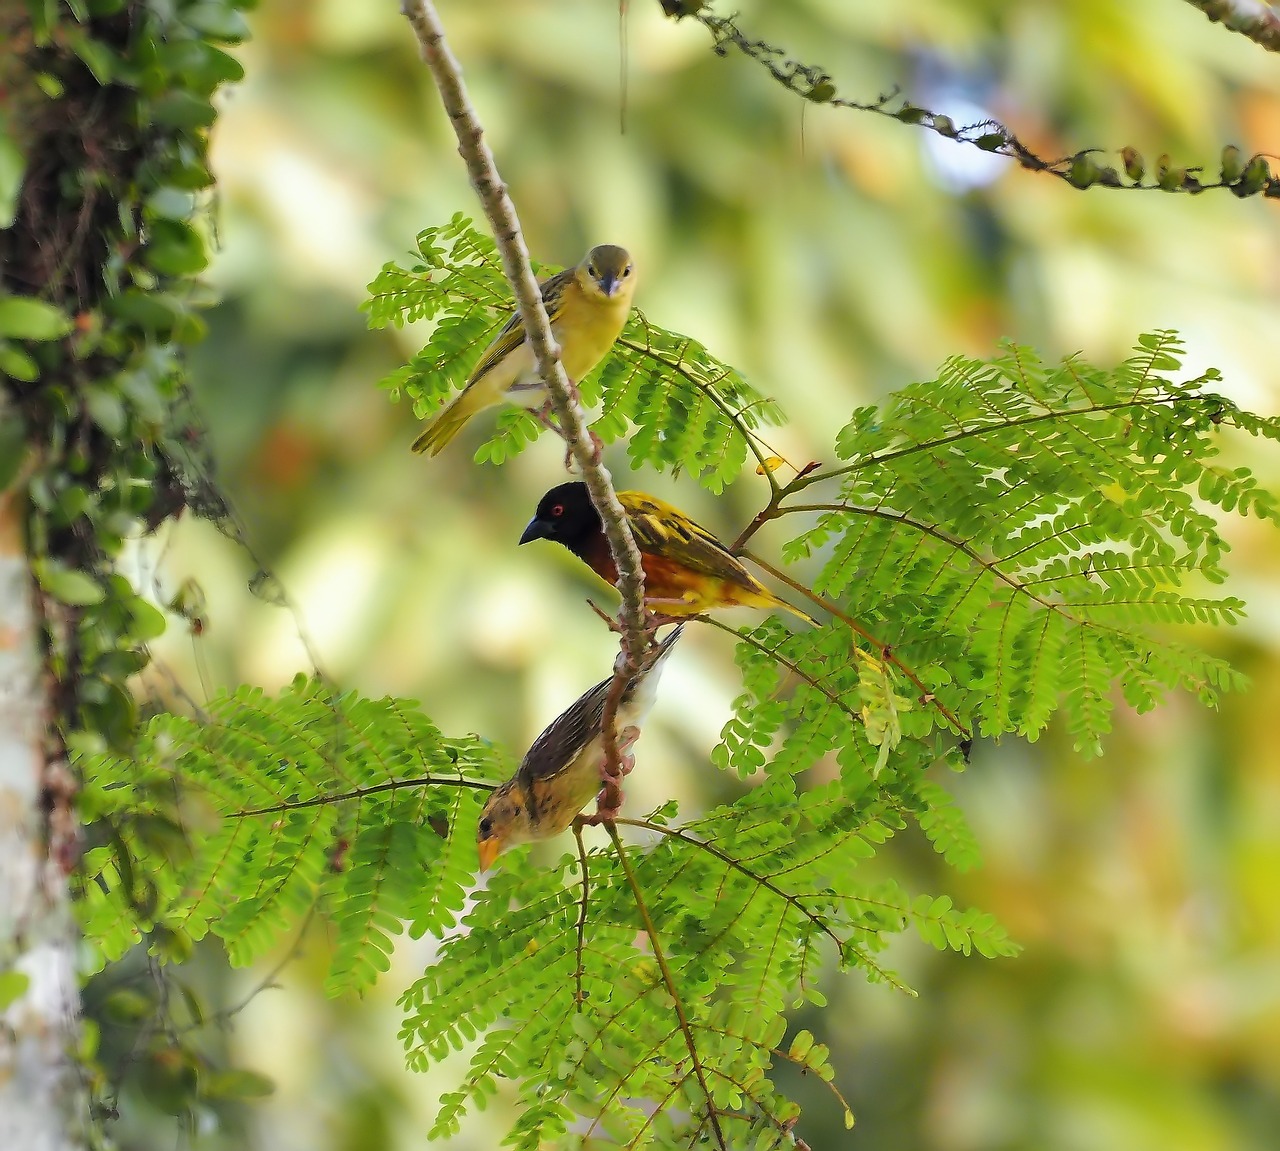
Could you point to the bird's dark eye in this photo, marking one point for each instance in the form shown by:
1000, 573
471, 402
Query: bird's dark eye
486, 826
626, 271
558, 510
591, 271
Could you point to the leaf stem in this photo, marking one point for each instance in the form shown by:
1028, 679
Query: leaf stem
667, 978
361, 793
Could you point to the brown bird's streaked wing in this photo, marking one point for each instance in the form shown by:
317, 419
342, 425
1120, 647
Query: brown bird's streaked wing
512, 334
564, 738
661, 530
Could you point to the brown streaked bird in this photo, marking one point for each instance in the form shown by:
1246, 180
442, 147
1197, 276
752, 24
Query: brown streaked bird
587, 306
562, 771
686, 569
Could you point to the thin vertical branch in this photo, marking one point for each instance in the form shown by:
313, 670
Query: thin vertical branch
501, 214
669, 982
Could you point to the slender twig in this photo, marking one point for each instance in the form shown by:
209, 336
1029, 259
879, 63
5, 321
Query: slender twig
1258, 22
790, 665
978, 430
844, 947
582, 917
502, 218
1081, 170
667, 978
362, 792
266, 983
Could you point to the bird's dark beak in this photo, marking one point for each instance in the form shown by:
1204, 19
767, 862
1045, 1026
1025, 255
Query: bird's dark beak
536, 530
609, 284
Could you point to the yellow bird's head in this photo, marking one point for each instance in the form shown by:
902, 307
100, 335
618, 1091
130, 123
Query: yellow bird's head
607, 272
504, 823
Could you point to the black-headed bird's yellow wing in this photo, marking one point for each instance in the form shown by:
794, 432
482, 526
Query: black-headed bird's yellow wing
666, 532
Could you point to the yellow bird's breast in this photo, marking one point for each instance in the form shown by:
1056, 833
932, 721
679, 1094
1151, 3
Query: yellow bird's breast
586, 329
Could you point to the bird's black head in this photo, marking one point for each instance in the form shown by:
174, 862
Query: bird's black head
565, 514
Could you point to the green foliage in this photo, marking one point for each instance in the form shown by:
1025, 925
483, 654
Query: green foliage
1024, 535
676, 405
100, 237
306, 799
1005, 542
747, 903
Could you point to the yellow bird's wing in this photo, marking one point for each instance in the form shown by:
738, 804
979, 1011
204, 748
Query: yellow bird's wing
513, 335
499, 370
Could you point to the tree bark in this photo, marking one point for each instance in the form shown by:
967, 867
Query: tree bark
42, 1100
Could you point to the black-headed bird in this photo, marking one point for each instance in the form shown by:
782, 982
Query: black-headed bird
687, 570
563, 769
587, 305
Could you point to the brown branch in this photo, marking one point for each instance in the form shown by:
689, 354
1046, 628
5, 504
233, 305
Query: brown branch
1261, 25
1080, 170
578, 997
501, 214
361, 793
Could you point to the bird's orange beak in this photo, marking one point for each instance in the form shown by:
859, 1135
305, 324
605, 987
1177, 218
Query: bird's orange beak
489, 850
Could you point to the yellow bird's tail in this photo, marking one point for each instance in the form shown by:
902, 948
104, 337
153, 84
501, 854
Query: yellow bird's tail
774, 601
449, 421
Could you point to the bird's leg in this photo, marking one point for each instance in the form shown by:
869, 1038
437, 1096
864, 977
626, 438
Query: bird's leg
543, 415
653, 620
609, 800
626, 740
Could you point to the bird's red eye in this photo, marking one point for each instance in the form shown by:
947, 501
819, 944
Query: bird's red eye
558, 510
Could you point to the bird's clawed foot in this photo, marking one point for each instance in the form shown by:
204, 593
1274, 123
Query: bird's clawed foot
543, 416
597, 452
609, 800
653, 620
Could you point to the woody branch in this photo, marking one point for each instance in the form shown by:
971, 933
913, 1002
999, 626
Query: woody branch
501, 214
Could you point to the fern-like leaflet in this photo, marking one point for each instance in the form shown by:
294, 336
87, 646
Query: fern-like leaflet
272, 805
1022, 535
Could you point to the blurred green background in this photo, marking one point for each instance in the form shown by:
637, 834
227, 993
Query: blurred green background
832, 256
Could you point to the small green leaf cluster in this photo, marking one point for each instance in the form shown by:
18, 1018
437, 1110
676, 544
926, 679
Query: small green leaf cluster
1024, 534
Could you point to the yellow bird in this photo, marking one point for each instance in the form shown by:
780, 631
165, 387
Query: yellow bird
587, 305
561, 772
